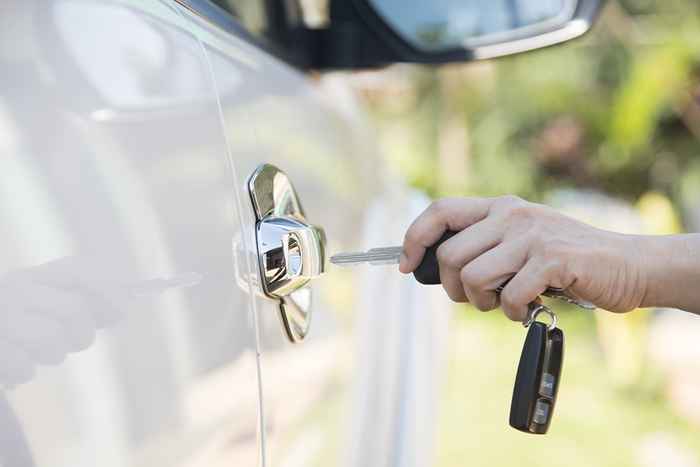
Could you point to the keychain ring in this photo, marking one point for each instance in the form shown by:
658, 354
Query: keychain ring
537, 308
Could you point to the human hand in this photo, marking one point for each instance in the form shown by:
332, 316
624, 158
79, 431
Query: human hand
538, 247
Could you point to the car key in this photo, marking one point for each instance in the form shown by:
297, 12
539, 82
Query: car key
537, 378
428, 271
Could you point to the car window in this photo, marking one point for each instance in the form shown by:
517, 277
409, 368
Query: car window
273, 20
252, 14
279, 24
265, 18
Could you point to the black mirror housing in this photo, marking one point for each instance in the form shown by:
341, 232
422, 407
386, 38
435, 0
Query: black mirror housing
359, 37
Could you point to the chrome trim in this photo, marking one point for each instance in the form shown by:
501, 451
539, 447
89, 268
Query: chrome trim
580, 22
272, 193
571, 30
291, 252
535, 309
567, 14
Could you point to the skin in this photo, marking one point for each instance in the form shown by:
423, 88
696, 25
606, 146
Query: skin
538, 247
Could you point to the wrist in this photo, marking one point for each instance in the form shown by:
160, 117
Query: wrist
648, 253
667, 262
636, 272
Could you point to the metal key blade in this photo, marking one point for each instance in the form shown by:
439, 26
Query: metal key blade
384, 255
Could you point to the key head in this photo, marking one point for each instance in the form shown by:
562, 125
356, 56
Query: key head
537, 379
428, 271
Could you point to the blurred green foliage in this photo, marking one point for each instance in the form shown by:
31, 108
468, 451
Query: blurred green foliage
617, 111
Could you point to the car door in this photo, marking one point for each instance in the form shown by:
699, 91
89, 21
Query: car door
124, 339
360, 389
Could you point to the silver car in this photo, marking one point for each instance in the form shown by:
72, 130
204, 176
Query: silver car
172, 180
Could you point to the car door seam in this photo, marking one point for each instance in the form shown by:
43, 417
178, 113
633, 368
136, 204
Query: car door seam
252, 303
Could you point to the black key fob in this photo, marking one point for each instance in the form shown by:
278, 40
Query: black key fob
428, 271
537, 379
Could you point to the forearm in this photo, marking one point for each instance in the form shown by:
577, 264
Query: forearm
671, 266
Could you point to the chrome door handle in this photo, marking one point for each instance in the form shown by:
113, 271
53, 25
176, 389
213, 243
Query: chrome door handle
291, 252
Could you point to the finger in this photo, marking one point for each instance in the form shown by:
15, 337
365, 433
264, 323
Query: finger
470, 243
460, 250
445, 214
482, 277
527, 285
451, 283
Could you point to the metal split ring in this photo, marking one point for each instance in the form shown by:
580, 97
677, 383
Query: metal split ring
535, 309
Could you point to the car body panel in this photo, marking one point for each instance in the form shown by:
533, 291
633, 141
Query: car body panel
118, 218
131, 129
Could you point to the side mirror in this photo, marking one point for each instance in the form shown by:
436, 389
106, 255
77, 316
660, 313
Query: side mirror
371, 33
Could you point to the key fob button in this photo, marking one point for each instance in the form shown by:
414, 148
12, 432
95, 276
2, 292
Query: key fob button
541, 413
547, 385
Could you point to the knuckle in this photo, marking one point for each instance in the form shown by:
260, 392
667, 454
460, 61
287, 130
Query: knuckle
519, 212
485, 302
509, 299
507, 201
512, 311
555, 253
447, 257
557, 273
455, 295
542, 243
440, 207
469, 278
443, 255
412, 236
459, 298
532, 239
513, 315
552, 266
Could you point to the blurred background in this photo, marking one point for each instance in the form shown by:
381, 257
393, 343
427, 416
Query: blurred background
607, 129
